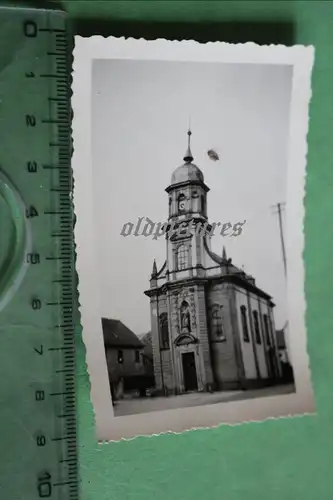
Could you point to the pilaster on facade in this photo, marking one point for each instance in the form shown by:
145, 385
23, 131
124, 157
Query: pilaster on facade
203, 335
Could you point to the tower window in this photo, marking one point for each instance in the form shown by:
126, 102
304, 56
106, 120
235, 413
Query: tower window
182, 257
164, 331
195, 194
217, 323
266, 328
256, 327
120, 357
181, 202
245, 326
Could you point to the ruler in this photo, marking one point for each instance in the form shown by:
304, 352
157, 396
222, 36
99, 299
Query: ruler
37, 354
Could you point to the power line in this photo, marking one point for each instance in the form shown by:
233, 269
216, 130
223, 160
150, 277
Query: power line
279, 208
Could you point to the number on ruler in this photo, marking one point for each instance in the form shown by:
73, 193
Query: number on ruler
36, 304
30, 120
39, 395
31, 212
32, 167
40, 350
46, 480
30, 29
41, 440
44, 486
33, 258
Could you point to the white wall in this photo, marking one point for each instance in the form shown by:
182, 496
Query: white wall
247, 347
260, 347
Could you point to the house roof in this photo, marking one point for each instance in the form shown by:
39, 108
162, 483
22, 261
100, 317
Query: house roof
116, 334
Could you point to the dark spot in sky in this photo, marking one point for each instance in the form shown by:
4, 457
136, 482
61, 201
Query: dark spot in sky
213, 155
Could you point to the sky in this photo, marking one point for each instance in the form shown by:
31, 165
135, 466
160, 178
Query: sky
140, 116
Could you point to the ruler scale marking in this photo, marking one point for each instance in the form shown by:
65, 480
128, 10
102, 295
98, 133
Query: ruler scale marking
49, 437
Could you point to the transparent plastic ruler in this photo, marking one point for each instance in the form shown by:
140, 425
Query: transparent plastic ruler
38, 442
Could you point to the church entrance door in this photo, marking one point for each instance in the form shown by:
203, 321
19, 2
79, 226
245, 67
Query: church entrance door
190, 372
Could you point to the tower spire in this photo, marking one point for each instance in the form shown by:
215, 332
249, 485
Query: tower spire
224, 253
188, 158
154, 272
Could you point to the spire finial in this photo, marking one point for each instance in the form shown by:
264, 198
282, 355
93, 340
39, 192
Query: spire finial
188, 158
154, 272
224, 253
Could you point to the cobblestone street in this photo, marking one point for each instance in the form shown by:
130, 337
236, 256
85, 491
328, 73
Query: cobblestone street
147, 405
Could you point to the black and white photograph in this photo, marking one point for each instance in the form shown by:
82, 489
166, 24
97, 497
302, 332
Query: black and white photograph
189, 167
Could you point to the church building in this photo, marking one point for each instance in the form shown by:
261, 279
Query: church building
212, 327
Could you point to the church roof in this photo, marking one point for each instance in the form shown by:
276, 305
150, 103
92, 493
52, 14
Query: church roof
188, 171
222, 259
116, 334
229, 267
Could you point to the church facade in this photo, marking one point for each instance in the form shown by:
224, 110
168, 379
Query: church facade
212, 327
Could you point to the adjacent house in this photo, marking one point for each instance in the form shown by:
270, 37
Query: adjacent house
124, 352
147, 354
281, 344
286, 367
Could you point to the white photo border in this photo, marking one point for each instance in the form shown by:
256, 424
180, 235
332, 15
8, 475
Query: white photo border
109, 427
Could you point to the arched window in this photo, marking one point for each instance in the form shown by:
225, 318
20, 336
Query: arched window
164, 331
266, 328
217, 322
182, 257
256, 327
245, 326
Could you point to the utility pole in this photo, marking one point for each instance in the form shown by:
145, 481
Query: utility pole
279, 207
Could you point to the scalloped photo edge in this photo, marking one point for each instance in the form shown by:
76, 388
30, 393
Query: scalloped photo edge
111, 426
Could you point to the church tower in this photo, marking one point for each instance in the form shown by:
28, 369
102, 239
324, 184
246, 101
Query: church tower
211, 326
182, 358
187, 218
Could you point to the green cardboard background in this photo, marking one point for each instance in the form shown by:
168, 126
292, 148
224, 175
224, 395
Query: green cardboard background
281, 459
